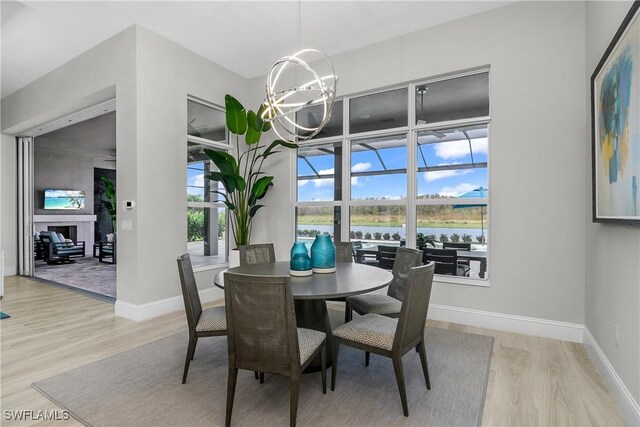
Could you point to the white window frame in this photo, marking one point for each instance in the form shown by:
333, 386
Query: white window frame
221, 146
411, 202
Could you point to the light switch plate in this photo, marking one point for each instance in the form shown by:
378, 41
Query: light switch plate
126, 225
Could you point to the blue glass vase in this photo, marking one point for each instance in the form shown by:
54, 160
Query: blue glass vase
323, 254
300, 264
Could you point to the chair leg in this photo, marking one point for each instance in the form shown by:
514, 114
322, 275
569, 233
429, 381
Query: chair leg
334, 366
261, 377
257, 376
293, 409
397, 366
425, 367
367, 356
194, 348
347, 312
190, 350
231, 391
323, 367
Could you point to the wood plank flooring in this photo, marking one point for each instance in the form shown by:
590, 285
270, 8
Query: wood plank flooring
532, 381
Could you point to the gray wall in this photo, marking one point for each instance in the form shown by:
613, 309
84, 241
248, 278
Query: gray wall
62, 170
612, 251
8, 214
536, 52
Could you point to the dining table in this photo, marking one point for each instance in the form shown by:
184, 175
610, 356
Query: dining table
311, 292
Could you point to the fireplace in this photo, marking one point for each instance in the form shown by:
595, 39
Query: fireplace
68, 231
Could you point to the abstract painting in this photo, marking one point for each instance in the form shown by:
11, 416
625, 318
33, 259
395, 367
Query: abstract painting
615, 102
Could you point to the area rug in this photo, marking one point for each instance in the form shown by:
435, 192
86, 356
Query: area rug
142, 387
4, 315
86, 273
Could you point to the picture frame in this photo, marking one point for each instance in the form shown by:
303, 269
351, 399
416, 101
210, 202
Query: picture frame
615, 126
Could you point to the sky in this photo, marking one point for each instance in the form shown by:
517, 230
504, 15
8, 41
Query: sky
451, 183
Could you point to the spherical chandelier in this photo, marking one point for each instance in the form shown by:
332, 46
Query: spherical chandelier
293, 85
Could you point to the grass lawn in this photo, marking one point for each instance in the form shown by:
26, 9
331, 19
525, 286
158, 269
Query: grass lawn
393, 221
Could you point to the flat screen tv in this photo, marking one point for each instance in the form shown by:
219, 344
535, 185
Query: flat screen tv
64, 199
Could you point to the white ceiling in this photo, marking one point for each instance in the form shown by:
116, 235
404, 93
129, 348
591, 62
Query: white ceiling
246, 37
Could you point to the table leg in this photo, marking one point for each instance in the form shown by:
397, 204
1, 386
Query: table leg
312, 314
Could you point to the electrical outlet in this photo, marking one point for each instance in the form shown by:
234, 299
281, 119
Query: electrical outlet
616, 329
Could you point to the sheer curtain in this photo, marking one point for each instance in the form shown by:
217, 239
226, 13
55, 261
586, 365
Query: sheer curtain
25, 205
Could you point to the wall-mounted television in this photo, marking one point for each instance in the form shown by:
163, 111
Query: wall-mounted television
64, 199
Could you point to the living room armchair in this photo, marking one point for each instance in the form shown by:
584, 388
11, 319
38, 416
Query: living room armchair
58, 249
107, 250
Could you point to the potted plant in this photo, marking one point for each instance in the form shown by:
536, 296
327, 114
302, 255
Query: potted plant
110, 202
244, 182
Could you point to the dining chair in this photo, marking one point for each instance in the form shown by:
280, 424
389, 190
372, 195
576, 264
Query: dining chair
386, 256
389, 304
389, 337
446, 261
262, 334
210, 322
461, 246
344, 252
257, 254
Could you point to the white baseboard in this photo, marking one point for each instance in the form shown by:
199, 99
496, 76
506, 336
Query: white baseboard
158, 308
620, 393
508, 322
10, 270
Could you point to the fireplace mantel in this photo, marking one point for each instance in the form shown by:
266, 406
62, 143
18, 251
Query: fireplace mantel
64, 218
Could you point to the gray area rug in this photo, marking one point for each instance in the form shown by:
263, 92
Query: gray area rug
141, 387
86, 273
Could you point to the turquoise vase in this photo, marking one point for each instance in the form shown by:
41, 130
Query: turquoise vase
323, 254
300, 264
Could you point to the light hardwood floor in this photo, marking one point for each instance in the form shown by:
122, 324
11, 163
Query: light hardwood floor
532, 381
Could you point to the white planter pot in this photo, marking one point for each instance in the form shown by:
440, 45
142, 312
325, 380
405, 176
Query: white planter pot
234, 258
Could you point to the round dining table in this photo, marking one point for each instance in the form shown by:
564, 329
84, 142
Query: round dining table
311, 292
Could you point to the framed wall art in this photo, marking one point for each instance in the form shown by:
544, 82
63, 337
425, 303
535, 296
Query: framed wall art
615, 122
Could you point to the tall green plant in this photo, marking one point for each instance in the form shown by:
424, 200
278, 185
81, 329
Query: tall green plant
244, 182
110, 203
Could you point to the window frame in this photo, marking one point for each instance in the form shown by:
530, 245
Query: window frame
411, 202
216, 145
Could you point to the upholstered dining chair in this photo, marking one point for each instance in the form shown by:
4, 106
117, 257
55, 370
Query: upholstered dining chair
262, 334
389, 337
211, 322
344, 252
257, 254
389, 304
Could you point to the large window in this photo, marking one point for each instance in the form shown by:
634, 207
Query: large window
400, 177
206, 214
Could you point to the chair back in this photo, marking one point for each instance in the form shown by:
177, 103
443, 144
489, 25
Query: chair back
262, 253
261, 323
190, 295
344, 252
386, 256
405, 260
446, 260
456, 245
413, 314
355, 245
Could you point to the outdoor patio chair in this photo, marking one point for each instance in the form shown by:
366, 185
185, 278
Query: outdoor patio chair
460, 246
211, 322
389, 337
386, 256
257, 254
262, 334
387, 305
362, 259
446, 261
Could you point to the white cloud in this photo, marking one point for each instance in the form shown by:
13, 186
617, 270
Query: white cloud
302, 183
436, 175
361, 167
197, 180
457, 149
458, 190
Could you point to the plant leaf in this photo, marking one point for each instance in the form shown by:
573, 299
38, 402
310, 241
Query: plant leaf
230, 205
236, 115
241, 184
260, 186
253, 129
227, 180
252, 200
262, 124
224, 161
254, 209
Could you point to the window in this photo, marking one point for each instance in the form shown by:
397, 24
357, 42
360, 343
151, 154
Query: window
206, 214
390, 179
